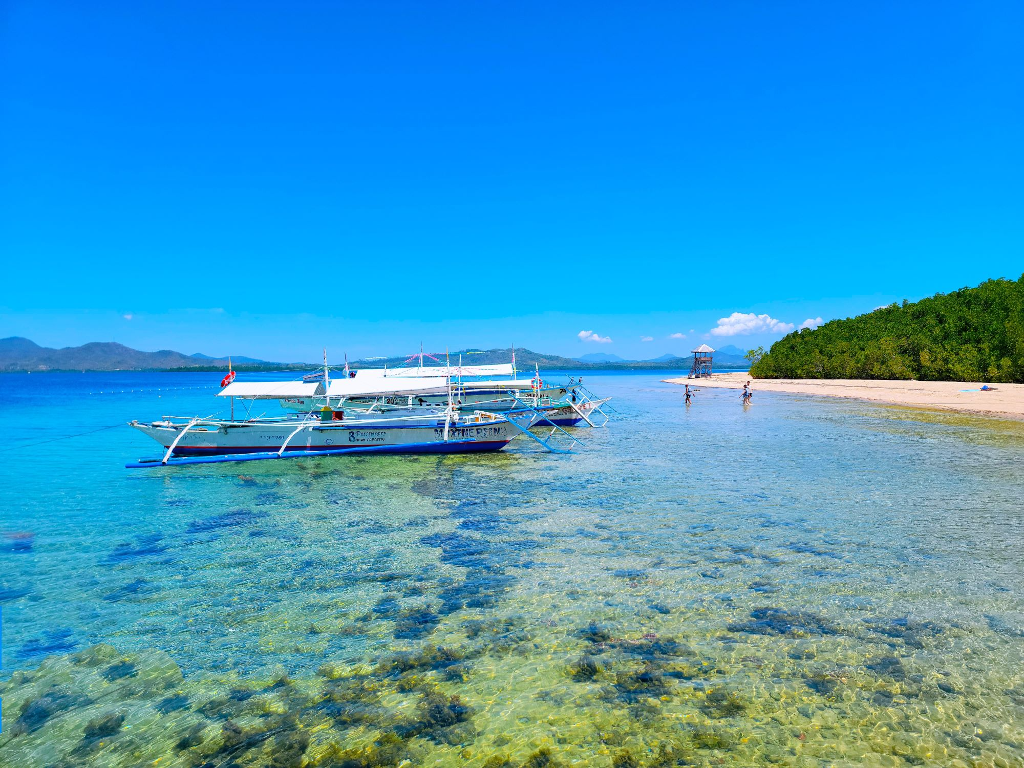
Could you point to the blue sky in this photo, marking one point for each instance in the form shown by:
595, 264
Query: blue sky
267, 178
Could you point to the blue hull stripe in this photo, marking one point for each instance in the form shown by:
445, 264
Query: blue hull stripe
260, 454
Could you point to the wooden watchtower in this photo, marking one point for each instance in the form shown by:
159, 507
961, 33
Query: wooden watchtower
701, 367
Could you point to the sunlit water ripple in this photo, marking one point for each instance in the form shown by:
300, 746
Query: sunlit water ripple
804, 582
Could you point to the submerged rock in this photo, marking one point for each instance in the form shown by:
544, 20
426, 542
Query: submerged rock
143, 546
415, 623
9, 594
287, 750
584, 668
540, 759
96, 655
911, 632
232, 519
36, 712
171, 704
195, 736
104, 725
710, 737
430, 657
595, 633
823, 684
720, 703
387, 750
647, 682
130, 591
120, 670
889, 666
440, 716
778, 621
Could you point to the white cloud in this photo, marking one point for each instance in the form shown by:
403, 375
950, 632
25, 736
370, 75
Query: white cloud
677, 336
646, 338
811, 322
741, 324
128, 316
591, 336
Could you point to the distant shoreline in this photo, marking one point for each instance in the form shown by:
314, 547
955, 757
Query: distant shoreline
21, 355
1005, 401
583, 367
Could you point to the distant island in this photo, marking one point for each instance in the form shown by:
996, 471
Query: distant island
20, 355
973, 334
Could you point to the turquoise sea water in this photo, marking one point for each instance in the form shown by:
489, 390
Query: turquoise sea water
804, 582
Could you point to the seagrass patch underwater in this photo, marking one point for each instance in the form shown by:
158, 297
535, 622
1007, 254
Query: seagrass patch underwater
802, 582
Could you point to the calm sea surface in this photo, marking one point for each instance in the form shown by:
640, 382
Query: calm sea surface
804, 582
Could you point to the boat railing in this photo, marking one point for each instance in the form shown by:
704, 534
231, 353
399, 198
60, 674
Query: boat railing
591, 396
307, 420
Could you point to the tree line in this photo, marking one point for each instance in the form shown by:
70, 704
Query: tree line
974, 334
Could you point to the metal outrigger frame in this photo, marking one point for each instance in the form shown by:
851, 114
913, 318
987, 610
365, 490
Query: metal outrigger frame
545, 442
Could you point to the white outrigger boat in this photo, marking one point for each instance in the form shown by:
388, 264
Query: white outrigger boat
337, 428
492, 396
565, 405
196, 441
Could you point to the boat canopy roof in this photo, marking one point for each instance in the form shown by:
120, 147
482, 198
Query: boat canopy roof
271, 390
436, 371
510, 384
355, 387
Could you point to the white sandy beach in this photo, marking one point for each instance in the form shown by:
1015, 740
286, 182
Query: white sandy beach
1006, 400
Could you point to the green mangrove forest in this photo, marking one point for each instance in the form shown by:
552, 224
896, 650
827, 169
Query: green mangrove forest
974, 334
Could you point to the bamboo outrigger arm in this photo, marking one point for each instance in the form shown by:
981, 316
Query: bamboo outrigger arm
582, 414
298, 429
177, 439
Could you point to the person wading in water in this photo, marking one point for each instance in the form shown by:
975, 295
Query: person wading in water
747, 393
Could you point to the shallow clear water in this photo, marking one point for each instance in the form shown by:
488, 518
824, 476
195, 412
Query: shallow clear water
803, 582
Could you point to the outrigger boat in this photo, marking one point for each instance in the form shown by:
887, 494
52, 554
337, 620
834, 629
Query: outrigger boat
336, 430
495, 395
566, 405
490, 395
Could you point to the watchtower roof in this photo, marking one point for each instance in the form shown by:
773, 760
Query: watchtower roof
703, 349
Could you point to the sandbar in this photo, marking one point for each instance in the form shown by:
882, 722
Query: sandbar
1005, 401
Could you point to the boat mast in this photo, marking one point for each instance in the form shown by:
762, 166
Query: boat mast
326, 379
451, 405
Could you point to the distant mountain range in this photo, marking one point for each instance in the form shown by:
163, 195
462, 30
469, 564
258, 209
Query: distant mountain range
18, 354
726, 356
234, 358
22, 355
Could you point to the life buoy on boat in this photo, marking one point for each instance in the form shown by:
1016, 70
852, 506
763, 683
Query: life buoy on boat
227, 379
